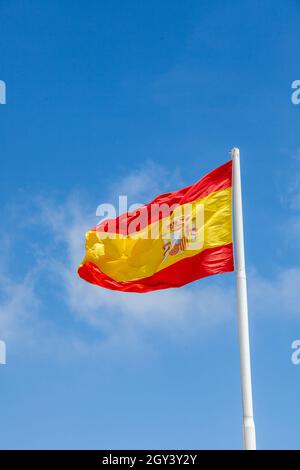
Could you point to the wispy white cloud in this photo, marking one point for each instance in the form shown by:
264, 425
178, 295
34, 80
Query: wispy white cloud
290, 198
19, 305
278, 295
144, 183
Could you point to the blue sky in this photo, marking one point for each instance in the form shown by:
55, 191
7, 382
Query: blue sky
139, 98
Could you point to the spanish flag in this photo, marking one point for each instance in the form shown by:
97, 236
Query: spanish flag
177, 238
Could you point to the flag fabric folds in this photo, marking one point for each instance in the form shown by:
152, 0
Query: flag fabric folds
177, 238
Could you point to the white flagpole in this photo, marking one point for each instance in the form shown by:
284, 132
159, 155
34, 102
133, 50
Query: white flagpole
249, 440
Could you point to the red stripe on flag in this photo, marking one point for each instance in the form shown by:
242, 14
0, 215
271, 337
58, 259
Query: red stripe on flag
216, 180
210, 261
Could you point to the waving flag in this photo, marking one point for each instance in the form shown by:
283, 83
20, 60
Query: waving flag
175, 239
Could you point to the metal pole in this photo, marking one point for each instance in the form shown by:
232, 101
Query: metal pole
249, 440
